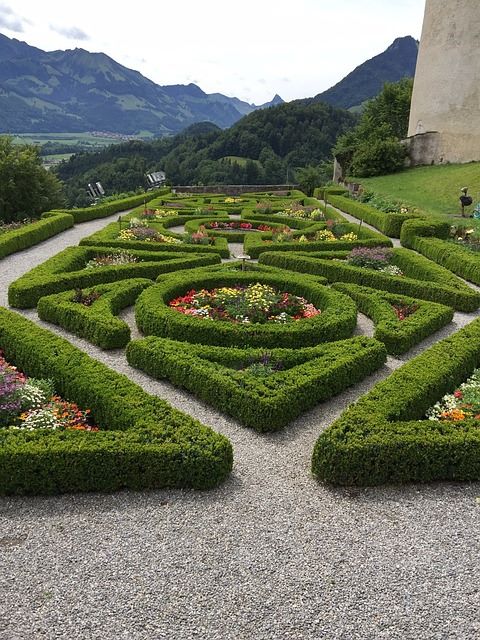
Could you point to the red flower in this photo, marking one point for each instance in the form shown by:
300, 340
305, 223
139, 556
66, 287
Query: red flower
458, 394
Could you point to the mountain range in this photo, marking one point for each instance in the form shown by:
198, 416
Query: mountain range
77, 91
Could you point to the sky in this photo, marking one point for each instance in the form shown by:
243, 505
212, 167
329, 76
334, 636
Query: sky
250, 49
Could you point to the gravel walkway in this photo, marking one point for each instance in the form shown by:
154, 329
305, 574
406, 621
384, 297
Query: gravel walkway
271, 554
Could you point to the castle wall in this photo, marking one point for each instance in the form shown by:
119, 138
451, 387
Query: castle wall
446, 93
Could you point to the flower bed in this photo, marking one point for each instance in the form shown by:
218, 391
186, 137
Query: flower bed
462, 404
254, 303
30, 403
155, 317
383, 439
233, 230
71, 268
109, 237
335, 237
142, 442
422, 278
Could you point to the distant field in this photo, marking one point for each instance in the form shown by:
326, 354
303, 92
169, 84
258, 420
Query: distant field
60, 146
434, 190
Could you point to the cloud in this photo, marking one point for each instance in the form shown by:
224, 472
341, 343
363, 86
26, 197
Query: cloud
72, 33
9, 20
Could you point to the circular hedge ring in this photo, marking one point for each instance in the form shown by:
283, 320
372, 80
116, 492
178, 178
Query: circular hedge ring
336, 321
236, 233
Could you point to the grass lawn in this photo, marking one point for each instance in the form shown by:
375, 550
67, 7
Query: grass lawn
434, 190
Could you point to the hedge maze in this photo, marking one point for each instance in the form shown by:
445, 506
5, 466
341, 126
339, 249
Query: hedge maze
264, 373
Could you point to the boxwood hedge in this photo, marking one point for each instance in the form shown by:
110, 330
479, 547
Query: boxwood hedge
398, 336
388, 223
384, 438
107, 237
306, 377
143, 443
49, 225
430, 239
256, 245
423, 278
96, 323
155, 317
67, 270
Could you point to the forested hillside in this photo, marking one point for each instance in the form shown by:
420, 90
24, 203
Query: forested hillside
265, 146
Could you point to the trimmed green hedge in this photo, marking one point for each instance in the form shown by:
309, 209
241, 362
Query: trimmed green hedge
98, 323
414, 228
155, 317
320, 192
238, 235
429, 239
107, 237
423, 278
388, 223
267, 403
255, 244
67, 271
49, 225
383, 438
398, 336
104, 210
143, 443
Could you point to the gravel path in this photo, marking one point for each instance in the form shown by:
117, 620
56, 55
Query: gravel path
271, 554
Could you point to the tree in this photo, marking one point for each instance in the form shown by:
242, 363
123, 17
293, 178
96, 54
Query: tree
373, 146
309, 178
27, 189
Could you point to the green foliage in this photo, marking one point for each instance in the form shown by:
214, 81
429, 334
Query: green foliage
96, 323
383, 438
295, 381
397, 335
373, 147
155, 317
104, 209
378, 157
388, 223
270, 143
423, 278
26, 188
50, 224
143, 443
310, 178
255, 244
67, 271
107, 237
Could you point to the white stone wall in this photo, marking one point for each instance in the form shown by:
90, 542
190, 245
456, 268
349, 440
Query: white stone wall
446, 94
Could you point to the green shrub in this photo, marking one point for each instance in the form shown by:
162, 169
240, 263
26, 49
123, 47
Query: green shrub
67, 271
104, 210
268, 401
255, 243
49, 225
107, 237
412, 229
96, 323
423, 278
155, 317
397, 335
388, 223
143, 443
384, 437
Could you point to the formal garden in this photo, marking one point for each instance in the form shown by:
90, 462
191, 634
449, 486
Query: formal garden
255, 305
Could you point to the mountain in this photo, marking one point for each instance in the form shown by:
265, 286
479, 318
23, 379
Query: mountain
366, 81
76, 91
